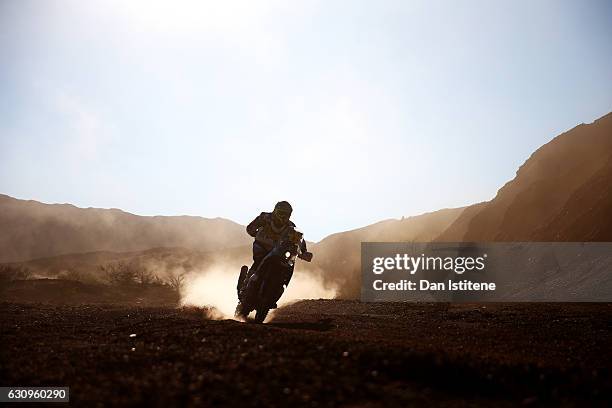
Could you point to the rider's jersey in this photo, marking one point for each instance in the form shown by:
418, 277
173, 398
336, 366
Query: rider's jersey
262, 228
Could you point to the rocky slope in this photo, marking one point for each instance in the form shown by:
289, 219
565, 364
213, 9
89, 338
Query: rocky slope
561, 193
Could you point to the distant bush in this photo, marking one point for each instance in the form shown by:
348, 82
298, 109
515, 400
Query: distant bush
157, 281
72, 275
144, 276
10, 273
176, 279
126, 274
118, 273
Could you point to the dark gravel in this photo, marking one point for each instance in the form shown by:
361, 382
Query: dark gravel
315, 353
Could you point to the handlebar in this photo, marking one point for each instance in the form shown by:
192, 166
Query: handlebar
306, 256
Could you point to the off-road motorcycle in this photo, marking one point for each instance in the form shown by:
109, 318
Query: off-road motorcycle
262, 288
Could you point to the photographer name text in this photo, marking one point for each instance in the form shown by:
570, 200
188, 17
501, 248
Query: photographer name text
413, 264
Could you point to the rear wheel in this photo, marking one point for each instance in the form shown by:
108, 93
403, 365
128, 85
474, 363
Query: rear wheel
260, 315
241, 312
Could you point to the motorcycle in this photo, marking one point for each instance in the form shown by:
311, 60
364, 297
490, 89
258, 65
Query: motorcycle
261, 289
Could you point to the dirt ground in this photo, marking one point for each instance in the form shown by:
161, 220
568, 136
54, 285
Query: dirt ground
315, 353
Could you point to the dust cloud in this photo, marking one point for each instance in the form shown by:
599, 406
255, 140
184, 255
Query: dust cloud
215, 288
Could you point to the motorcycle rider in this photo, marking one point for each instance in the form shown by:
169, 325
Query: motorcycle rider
267, 229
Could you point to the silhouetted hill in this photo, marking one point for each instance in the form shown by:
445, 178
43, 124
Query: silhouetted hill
339, 255
562, 192
587, 215
30, 229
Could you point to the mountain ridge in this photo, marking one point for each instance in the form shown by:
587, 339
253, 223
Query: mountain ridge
541, 187
31, 229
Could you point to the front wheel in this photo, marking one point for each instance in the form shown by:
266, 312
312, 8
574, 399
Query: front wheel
260, 315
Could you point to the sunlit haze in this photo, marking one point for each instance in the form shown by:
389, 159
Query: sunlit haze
354, 111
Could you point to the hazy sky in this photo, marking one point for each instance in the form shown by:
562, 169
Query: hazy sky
353, 111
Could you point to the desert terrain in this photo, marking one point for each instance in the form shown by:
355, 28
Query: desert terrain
315, 353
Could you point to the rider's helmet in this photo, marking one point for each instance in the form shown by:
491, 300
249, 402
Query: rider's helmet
282, 212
